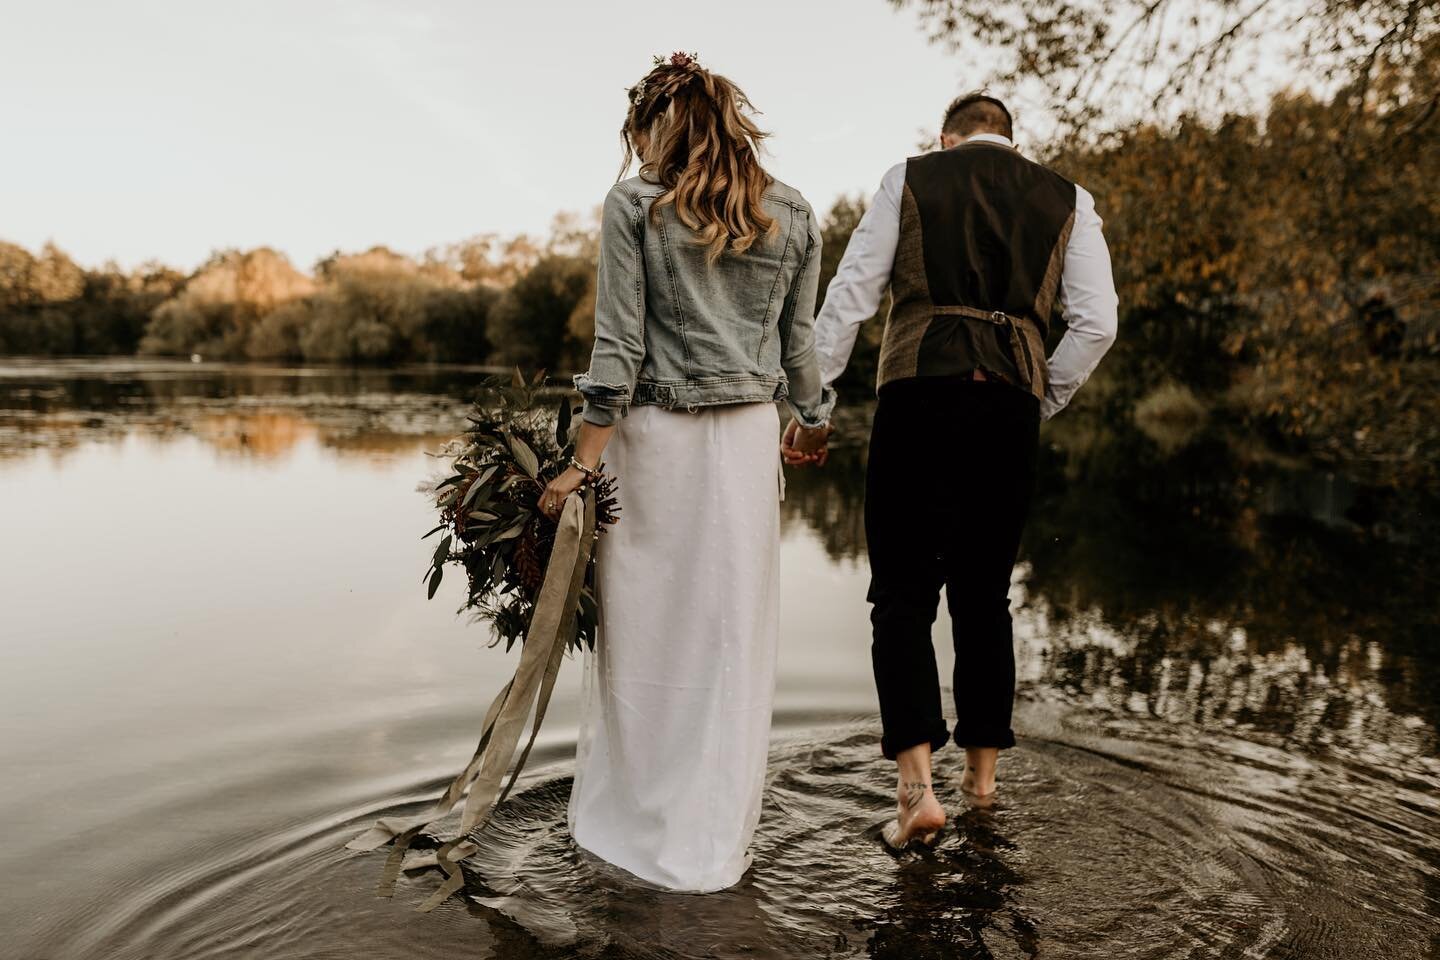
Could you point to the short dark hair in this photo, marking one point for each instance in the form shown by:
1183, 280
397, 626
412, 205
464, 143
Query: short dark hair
977, 111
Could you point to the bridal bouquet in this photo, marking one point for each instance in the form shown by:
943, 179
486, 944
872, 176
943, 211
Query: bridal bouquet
487, 508
530, 577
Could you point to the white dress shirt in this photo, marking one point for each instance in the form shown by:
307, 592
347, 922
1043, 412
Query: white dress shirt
1087, 290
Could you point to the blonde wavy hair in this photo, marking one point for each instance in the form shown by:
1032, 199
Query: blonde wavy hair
703, 149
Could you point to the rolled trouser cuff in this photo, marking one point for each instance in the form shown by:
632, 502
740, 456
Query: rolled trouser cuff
892, 742
1001, 739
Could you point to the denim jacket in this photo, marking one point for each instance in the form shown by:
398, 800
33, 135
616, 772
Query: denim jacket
671, 329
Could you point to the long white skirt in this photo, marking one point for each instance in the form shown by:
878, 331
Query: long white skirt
675, 716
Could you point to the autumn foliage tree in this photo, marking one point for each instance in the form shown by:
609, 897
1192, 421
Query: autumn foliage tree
1277, 259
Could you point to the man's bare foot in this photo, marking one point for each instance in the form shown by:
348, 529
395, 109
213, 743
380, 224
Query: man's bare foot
973, 785
918, 814
978, 780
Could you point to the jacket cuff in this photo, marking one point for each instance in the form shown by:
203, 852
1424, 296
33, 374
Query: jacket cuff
604, 402
600, 416
820, 415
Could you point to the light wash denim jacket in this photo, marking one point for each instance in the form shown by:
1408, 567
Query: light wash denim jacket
671, 329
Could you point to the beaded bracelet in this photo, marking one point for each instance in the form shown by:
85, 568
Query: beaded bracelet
589, 473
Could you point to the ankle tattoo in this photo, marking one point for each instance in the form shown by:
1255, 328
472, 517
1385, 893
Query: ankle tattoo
914, 792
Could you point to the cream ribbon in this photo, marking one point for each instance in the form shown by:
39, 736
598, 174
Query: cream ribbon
534, 680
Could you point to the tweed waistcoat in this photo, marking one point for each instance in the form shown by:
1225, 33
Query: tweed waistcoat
977, 266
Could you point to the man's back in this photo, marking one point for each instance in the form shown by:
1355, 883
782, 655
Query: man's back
979, 246
981, 243
993, 225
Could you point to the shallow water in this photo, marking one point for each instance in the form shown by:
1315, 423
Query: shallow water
219, 665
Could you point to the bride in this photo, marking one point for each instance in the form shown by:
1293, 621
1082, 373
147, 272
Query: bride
705, 299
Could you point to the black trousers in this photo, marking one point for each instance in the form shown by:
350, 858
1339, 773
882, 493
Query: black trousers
948, 487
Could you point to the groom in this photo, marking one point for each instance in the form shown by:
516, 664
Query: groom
979, 247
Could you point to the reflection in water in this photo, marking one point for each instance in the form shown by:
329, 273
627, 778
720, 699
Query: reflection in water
261, 434
262, 411
1230, 695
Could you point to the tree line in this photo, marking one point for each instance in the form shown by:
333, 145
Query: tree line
453, 304
1281, 268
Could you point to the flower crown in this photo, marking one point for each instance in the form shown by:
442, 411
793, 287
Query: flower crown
677, 59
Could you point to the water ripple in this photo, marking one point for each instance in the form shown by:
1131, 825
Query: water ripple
1223, 848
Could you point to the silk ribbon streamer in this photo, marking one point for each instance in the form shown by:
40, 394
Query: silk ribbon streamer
542, 652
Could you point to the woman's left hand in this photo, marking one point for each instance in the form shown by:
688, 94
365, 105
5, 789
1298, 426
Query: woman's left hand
553, 497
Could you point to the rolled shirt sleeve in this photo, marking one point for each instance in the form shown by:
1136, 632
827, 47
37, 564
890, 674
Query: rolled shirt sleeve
619, 312
809, 398
1090, 304
859, 284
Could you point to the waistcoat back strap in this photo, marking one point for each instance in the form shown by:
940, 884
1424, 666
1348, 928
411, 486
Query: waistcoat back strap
1019, 343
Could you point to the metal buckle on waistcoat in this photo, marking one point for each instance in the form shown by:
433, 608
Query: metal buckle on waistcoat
999, 316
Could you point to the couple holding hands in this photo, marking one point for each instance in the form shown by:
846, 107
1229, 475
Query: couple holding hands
705, 318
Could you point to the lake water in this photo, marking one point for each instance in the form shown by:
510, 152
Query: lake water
219, 665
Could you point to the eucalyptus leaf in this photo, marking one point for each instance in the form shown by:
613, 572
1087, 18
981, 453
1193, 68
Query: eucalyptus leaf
482, 493
477, 485
524, 457
434, 583
562, 423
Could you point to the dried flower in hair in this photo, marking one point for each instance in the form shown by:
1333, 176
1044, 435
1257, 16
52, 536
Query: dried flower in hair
677, 59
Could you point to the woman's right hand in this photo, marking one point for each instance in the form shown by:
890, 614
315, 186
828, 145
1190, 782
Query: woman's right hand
804, 445
552, 500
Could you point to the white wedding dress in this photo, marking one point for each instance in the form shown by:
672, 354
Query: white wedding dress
675, 719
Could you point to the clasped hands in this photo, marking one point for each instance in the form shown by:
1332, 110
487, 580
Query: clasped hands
802, 445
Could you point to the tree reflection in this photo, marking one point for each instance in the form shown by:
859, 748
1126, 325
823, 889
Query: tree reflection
1210, 582
237, 410
1207, 580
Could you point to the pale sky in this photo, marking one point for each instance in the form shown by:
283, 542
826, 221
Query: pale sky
169, 128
